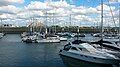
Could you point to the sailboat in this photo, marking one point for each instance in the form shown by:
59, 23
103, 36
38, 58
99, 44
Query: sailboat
31, 36
107, 45
84, 53
109, 40
111, 36
47, 37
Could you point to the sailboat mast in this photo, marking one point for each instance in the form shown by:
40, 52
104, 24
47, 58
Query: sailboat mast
119, 21
1, 26
102, 19
46, 23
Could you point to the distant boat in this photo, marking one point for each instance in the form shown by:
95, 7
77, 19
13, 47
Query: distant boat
62, 38
24, 34
111, 37
79, 35
86, 53
30, 39
110, 47
48, 39
96, 35
64, 35
1, 35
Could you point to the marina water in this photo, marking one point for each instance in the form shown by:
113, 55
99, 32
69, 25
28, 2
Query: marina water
15, 53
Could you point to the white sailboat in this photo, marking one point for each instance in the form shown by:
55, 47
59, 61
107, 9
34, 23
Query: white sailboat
48, 38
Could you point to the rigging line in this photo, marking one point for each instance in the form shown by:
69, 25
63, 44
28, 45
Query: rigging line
111, 13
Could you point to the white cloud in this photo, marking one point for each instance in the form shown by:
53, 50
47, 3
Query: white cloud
15, 1
79, 11
9, 9
8, 2
114, 0
85, 10
59, 4
30, 14
105, 7
84, 18
7, 16
36, 5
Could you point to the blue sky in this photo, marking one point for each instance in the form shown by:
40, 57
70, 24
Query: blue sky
91, 6
87, 3
75, 2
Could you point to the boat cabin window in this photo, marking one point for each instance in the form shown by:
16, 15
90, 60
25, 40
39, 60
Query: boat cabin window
73, 48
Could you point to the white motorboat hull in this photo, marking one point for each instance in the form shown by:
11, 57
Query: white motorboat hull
90, 59
72, 62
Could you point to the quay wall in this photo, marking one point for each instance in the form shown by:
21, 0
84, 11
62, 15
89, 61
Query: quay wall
17, 30
13, 30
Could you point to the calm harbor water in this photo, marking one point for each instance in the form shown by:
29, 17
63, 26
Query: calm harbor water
14, 53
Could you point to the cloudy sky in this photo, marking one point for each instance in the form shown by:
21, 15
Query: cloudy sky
59, 12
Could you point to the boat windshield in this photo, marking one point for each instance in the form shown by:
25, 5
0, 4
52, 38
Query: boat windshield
67, 47
74, 48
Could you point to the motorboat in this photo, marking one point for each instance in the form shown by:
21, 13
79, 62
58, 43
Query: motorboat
85, 53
